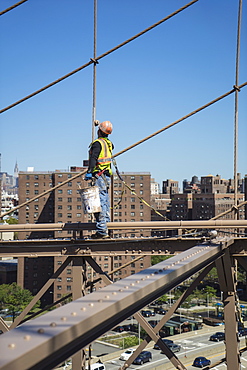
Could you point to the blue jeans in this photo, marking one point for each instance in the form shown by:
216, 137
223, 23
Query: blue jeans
104, 216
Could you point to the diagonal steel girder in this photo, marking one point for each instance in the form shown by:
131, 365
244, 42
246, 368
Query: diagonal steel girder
46, 341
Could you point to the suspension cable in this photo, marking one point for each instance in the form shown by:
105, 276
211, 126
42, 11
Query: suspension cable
181, 119
125, 150
236, 108
94, 60
12, 7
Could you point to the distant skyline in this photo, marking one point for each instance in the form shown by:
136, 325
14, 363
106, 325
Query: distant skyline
165, 74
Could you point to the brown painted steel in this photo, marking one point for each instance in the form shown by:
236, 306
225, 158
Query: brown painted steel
208, 224
46, 341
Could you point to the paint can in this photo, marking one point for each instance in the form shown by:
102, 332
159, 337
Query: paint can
90, 199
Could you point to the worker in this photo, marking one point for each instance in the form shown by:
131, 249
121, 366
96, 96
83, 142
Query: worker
99, 168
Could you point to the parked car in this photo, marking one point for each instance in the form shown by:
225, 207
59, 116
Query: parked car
242, 332
174, 347
144, 356
127, 327
119, 329
134, 328
217, 337
166, 341
160, 311
97, 366
147, 313
126, 355
201, 362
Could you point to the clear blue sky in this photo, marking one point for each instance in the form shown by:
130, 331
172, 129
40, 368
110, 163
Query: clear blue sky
160, 77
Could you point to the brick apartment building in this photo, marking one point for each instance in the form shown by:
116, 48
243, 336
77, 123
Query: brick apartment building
64, 205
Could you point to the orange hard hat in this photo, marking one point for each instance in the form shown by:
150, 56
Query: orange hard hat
106, 127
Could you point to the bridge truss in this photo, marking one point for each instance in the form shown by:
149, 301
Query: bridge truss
46, 341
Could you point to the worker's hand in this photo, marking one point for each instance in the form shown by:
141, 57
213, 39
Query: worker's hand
88, 176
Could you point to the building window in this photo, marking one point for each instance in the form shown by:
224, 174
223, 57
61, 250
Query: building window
69, 191
105, 265
60, 175
59, 263
69, 271
27, 184
78, 199
69, 279
27, 192
68, 288
36, 192
36, 177
36, 184
59, 199
141, 192
59, 215
132, 178
132, 185
59, 206
59, 287
69, 215
70, 183
60, 191
132, 214
27, 177
59, 279
132, 199
69, 200
78, 215
69, 208
78, 206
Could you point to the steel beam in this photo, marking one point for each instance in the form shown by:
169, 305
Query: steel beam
44, 342
114, 247
228, 286
168, 225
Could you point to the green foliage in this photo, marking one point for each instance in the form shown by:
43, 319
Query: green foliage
157, 259
212, 275
130, 341
12, 221
163, 298
13, 297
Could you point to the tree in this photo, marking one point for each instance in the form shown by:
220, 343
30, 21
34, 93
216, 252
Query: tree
209, 293
157, 259
14, 298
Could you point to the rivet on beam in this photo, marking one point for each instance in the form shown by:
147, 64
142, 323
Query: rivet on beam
11, 345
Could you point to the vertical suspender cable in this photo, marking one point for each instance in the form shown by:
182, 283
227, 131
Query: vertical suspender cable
236, 109
94, 69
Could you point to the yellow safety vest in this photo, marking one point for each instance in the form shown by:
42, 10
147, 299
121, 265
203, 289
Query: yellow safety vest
104, 159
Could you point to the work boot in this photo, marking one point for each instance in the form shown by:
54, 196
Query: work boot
100, 236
